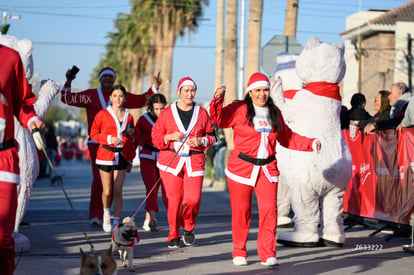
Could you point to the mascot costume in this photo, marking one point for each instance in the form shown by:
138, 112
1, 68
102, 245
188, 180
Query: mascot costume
317, 182
285, 69
28, 157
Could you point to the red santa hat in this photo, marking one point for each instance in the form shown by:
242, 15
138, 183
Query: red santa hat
257, 80
107, 70
186, 81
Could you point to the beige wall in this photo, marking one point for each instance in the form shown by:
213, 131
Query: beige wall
377, 66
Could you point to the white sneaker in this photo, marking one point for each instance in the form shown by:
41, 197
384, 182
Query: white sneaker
106, 224
272, 261
146, 226
239, 261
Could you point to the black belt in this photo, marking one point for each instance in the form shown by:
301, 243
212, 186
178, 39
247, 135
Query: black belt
152, 148
190, 153
112, 149
7, 144
256, 161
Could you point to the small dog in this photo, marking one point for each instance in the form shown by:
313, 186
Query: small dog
124, 237
98, 264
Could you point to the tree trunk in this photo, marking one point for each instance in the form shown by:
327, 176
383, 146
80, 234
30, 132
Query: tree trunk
219, 43
230, 61
291, 18
230, 51
254, 37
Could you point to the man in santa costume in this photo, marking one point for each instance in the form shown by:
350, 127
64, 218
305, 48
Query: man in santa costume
257, 124
182, 132
94, 100
16, 99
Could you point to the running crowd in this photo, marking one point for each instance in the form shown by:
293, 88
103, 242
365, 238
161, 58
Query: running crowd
173, 140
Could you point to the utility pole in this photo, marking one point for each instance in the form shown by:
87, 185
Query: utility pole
409, 59
5, 27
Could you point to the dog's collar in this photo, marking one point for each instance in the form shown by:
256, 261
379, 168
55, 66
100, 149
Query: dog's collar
131, 244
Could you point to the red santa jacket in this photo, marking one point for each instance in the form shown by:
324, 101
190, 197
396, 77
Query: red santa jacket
16, 99
247, 141
104, 127
144, 126
169, 122
95, 100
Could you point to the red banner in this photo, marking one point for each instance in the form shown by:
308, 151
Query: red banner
381, 186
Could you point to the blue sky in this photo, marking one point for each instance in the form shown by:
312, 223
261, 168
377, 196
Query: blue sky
67, 33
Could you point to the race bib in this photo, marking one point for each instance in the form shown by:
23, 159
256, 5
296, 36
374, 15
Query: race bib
261, 124
183, 151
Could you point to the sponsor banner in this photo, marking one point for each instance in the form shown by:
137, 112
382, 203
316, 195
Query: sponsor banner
381, 186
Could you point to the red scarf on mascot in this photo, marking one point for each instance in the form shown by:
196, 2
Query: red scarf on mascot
326, 89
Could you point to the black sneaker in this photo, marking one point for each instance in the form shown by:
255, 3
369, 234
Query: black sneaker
188, 237
153, 226
174, 243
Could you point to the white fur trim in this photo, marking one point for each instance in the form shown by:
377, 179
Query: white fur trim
185, 83
258, 84
107, 71
35, 118
155, 90
314, 146
109, 139
9, 177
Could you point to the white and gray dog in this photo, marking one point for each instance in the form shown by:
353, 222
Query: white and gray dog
124, 237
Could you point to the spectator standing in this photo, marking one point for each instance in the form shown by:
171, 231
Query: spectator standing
357, 111
148, 155
94, 100
220, 151
51, 148
113, 130
16, 99
382, 108
257, 124
399, 97
182, 132
408, 120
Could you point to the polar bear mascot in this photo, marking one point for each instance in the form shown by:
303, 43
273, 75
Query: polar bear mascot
285, 69
28, 158
317, 182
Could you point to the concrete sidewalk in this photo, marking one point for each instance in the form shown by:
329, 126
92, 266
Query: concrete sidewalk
56, 235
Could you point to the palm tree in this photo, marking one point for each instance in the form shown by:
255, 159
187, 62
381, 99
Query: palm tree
230, 51
176, 17
254, 36
219, 43
291, 18
230, 61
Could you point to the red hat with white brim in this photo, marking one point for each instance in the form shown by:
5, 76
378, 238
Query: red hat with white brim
186, 81
257, 80
106, 71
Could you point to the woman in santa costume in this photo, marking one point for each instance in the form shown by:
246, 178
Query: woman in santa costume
182, 132
16, 100
257, 124
113, 129
94, 100
148, 155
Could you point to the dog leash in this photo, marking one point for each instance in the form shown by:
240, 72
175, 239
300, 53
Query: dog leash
40, 144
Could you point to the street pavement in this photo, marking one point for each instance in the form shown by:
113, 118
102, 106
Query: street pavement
57, 232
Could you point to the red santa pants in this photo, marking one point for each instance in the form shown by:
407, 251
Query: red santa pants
181, 190
150, 175
8, 207
95, 204
241, 206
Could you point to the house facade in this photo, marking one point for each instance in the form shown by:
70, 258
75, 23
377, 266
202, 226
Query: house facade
377, 51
